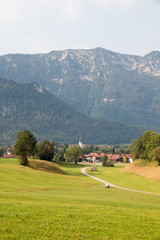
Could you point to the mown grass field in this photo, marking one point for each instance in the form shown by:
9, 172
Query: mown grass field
118, 177
41, 205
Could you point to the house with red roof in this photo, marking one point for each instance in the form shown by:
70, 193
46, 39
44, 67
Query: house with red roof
93, 157
118, 158
9, 154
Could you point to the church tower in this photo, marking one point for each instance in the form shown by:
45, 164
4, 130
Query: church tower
80, 143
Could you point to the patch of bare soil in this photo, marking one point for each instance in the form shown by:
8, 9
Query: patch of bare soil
46, 166
152, 173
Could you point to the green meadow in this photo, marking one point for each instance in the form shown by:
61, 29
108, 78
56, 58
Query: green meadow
116, 176
46, 205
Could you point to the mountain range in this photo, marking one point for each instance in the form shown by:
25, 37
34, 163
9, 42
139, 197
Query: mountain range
30, 106
96, 82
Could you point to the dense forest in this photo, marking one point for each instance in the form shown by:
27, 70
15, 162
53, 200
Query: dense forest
29, 106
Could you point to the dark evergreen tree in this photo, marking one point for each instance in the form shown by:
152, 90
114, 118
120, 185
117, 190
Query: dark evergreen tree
25, 145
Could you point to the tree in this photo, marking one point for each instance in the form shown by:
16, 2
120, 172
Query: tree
2, 151
153, 143
24, 146
106, 162
142, 147
104, 159
155, 155
125, 160
132, 146
45, 150
88, 149
73, 153
59, 157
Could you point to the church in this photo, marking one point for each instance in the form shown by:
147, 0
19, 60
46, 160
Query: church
80, 143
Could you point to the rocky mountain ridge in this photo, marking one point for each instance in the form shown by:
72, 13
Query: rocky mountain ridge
149, 64
96, 82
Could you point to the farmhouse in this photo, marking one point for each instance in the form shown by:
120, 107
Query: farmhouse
9, 154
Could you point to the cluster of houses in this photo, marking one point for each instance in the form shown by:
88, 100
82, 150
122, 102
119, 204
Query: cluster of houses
116, 158
96, 158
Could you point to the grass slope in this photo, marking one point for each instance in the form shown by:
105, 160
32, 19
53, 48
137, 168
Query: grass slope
46, 166
122, 178
149, 170
41, 205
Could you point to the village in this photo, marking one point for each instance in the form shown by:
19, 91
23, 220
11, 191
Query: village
91, 157
95, 157
116, 158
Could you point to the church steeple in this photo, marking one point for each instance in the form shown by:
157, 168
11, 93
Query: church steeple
80, 143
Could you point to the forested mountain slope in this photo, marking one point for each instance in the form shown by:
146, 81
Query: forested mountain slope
29, 106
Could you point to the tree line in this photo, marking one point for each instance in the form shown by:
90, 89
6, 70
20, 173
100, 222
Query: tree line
26, 145
147, 147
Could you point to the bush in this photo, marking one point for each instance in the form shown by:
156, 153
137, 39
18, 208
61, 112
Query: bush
108, 164
104, 159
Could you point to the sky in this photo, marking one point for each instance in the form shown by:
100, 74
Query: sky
41, 26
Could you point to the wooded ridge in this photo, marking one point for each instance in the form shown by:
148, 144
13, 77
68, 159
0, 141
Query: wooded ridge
29, 106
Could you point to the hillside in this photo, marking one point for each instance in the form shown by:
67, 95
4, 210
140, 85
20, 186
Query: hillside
29, 106
96, 82
149, 170
46, 166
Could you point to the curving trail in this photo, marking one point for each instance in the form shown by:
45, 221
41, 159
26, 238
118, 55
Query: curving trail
83, 170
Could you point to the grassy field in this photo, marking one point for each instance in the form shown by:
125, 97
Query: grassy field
120, 178
43, 205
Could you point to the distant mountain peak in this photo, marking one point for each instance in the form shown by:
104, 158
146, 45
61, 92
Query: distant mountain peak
150, 64
97, 82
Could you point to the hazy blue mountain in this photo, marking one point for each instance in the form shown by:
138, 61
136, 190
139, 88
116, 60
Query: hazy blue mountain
97, 82
29, 106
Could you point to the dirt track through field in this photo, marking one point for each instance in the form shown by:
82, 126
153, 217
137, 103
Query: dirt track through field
83, 170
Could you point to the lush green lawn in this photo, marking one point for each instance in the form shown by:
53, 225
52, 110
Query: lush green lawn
41, 205
123, 179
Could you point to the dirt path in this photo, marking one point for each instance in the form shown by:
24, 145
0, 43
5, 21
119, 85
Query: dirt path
83, 170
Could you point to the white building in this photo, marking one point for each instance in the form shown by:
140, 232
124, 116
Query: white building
80, 143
